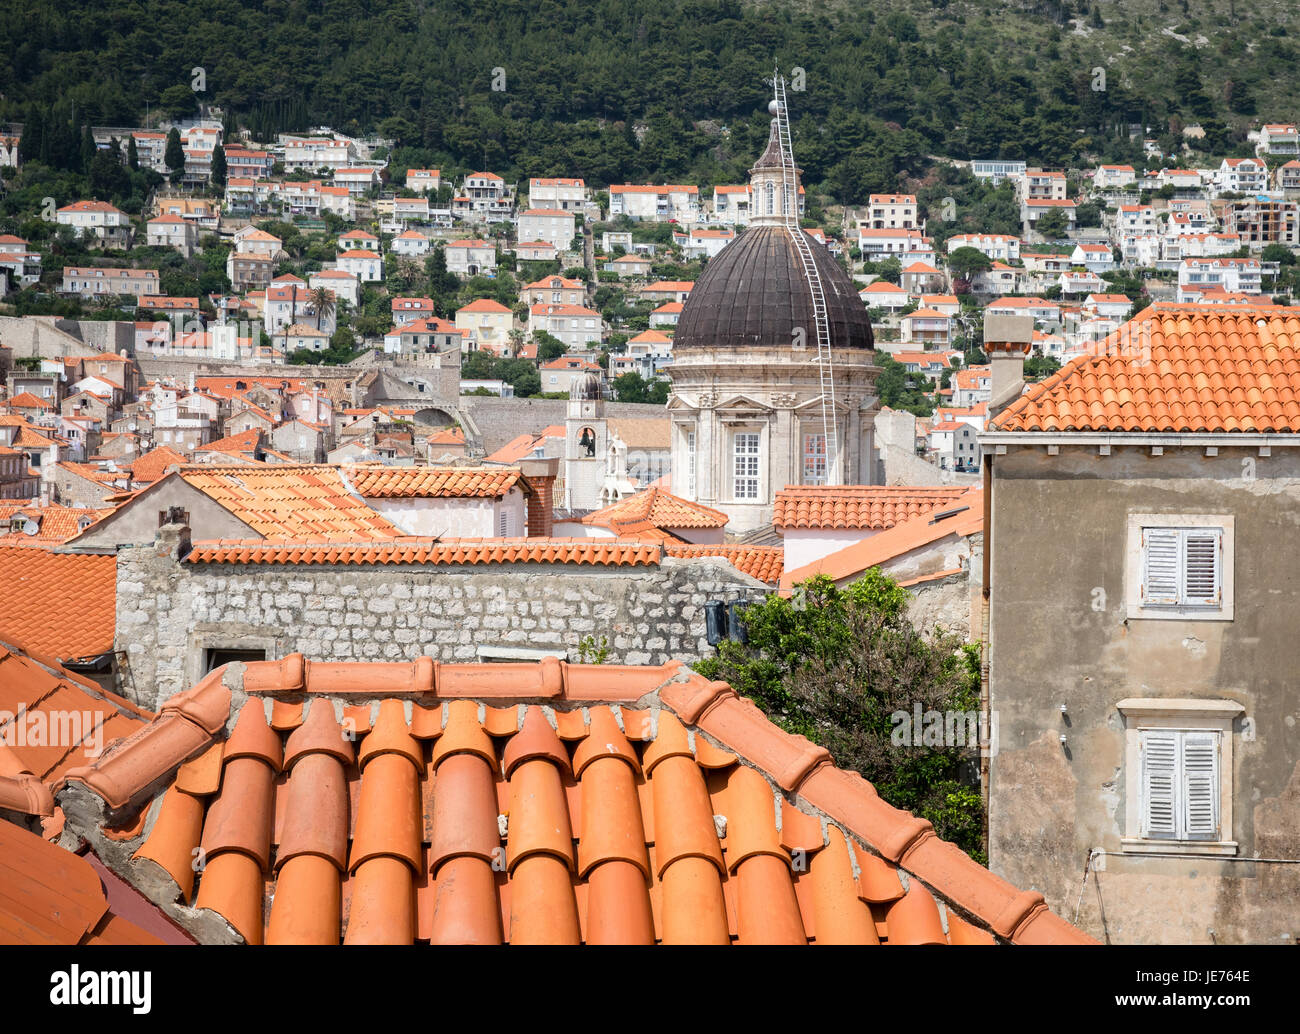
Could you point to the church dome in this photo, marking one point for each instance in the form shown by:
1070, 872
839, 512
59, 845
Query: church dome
586, 388
755, 293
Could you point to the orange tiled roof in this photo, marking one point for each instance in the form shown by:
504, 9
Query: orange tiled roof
870, 507
154, 463
88, 718
476, 820
408, 550
432, 482
966, 517
661, 508
1176, 369
57, 523
61, 605
245, 441
52, 896
288, 502
26, 400
762, 562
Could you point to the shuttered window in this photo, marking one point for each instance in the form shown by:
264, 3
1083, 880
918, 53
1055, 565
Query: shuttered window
1182, 567
1180, 784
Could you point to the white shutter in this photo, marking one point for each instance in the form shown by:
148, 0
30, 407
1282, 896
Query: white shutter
1202, 551
1160, 566
1200, 785
1159, 773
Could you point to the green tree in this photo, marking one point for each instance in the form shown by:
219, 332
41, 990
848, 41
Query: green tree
846, 668
1052, 224
174, 155
548, 346
219, 166
966, 261
132, 154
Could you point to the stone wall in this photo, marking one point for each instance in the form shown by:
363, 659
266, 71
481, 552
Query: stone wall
170, 614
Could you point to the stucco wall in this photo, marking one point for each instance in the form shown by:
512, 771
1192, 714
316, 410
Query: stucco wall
1060, 635
453, 518
169, 613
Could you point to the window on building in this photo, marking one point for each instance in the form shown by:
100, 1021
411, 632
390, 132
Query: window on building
746, 451
1178, 779
1180, 565
503, 523
771, 198
814, 459
690, 464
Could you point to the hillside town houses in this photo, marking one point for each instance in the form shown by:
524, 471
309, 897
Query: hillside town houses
337, 415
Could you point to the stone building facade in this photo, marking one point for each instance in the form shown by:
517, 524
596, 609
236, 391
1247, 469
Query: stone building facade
177, 619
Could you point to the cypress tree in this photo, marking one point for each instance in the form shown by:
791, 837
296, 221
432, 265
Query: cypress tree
219, 165
174, 155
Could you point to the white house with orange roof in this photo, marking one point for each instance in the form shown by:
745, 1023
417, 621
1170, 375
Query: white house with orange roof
1096, 258
411, 243
310, 154
1286, 177
486, 323
356, 179
629, 266
655, 203
566, 194
424, 180
892, 212
927, 327
554, 290
471, 257
731, 204
338, 200
920, 277
171, 231
366, 265
881, 294
356, 239
1034, 208
536, 251
1242, 176
1135, 219
706, 243
576, 325
667, 290
1233, 275
422, 335
345, 285
245, 163
998, 279
876, 245
410, 210
24, 265
651, 349
948, 304
972, 385
249, 240
150, 150
1079, 282
1000, 247
93, 281
410, 309
97, 219
1043, 311
1181, 179
1041, 184
553, 225
1107, 306
1279, 139
1109, 177
666, 315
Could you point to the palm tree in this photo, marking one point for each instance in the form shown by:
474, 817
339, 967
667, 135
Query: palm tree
322, 300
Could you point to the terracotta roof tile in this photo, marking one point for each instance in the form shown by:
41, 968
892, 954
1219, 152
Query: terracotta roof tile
327, 550
288, 502
60, 605
762, 562
380, 482
1176, 369
661, 508
680, 834
965, 516
55, 524
868, 507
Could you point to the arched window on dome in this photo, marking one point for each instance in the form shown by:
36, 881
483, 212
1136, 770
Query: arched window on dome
771, 198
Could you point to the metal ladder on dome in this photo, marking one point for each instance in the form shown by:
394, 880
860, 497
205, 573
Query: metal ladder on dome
821, 323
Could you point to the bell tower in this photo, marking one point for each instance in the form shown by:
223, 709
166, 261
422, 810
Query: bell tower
586, 443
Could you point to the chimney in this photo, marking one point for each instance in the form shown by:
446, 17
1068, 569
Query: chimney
541, 475
173, 540
1007, 341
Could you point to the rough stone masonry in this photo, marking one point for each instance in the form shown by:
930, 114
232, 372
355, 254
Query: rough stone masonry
172, 614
